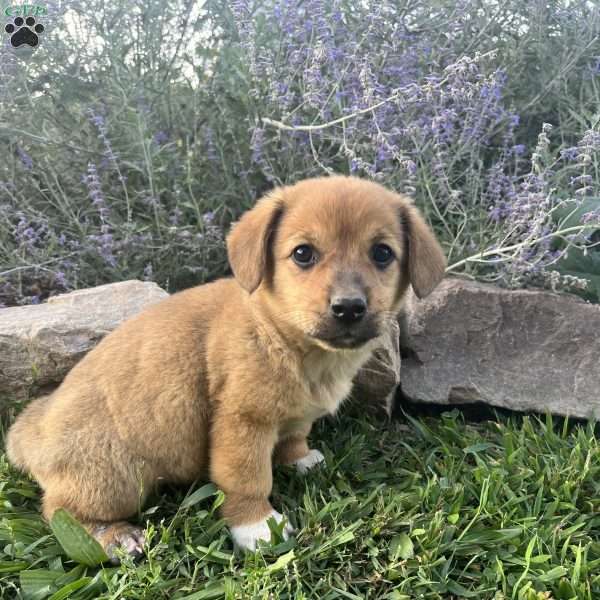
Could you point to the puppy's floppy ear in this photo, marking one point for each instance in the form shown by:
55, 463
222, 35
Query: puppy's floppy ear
249, 240
426, 260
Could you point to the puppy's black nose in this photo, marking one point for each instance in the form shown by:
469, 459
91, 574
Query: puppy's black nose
348, 310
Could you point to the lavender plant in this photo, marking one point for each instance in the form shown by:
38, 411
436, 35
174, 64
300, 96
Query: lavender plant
141, 151
423, 119
100, 185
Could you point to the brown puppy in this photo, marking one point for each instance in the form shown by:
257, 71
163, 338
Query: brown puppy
222, 380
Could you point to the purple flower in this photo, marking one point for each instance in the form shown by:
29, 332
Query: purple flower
30, 234
100, 123
591, 217
595, 67
590, 141
94, 186
160, 137
60, 279
569, 153
257, 142
26, 160
175, 216
411, 167
97, 120
581, 180
150, 201
104, 245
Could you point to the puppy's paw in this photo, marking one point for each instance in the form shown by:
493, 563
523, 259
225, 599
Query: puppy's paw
246, 537
312, 459
120, 536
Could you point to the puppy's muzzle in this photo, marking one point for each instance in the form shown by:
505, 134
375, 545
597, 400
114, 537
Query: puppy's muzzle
348, 324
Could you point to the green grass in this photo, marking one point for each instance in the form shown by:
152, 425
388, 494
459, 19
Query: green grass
417, 508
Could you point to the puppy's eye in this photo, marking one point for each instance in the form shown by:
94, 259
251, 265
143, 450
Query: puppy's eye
382, 255
304, 256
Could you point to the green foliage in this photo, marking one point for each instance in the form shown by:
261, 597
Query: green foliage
77, 543
582, 263
129, 156
421, 508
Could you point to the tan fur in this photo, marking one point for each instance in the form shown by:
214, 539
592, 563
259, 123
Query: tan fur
220, 380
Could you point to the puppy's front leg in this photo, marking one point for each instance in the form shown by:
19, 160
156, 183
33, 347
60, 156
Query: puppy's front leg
240, 465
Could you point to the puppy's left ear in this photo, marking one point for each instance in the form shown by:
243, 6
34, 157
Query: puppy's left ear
426, 261
249, 240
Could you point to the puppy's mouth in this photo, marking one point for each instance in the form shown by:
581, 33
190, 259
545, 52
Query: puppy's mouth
347, 337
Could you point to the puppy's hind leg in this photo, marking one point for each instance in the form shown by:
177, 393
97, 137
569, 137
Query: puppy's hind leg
101, 505
294, 450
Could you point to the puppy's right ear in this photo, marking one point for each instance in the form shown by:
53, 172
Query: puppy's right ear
249, 240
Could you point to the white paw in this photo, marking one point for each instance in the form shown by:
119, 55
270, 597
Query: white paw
312, 459
247, 536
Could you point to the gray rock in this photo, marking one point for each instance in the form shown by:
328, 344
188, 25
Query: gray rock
518, 349
40, 343
376, 383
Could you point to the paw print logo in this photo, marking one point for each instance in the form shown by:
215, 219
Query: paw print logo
24, 31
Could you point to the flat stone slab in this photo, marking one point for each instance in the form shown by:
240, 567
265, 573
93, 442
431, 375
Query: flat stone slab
518, 349
40, 343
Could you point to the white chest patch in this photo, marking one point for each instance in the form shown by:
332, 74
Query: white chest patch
329, 376
326, 383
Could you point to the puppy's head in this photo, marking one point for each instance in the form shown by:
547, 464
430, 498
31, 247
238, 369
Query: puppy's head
334, 256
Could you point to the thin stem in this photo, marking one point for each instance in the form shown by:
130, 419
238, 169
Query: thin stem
477, 257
